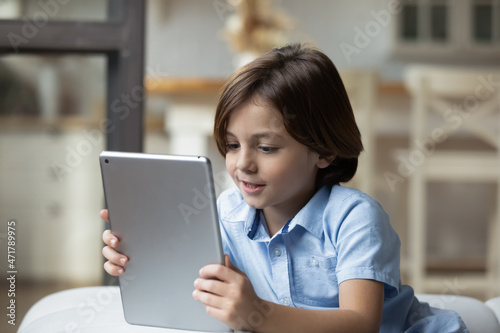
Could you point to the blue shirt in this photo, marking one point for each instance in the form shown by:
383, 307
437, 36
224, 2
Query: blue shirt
340, 234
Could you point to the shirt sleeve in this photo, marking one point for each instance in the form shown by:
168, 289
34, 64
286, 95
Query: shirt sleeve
367, 245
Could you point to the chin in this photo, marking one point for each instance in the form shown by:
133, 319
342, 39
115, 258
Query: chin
253, 204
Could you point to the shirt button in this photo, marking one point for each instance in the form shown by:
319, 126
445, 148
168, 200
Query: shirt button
286, 301
277, 252
314, 262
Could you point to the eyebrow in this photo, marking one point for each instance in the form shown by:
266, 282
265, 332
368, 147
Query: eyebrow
260, 135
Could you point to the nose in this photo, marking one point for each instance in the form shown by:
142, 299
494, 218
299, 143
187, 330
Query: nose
246, 161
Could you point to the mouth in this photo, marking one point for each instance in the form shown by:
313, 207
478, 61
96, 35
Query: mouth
252, 188
251, 185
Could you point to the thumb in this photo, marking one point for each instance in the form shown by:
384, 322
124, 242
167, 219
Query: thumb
230, 265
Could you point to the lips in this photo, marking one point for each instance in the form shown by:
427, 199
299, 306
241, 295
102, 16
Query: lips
252, 188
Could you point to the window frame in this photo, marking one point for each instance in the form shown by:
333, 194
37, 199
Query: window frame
124, 52
460, 44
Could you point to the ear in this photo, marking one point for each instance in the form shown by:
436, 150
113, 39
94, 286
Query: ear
323, 162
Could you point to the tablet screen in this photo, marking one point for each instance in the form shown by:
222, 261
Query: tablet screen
163, 210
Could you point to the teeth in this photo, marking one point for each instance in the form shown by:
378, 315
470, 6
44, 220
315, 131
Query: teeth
250, 185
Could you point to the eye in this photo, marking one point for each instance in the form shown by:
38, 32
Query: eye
268, 150
232, 146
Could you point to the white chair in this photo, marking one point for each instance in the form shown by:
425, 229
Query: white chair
361, 86
447, 101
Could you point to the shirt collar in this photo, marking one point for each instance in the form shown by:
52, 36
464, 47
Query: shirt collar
310, 217
258, 230
241, 212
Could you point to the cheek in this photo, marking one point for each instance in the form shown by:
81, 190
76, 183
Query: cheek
230, 165
274, 170
299, 170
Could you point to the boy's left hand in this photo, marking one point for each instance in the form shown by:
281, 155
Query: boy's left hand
227, 294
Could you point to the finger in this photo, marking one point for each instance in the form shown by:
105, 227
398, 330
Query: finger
217, 271
104, 214
109, 239
222, 316
113, 269
212, 286
208, 299
218, 312
114, 257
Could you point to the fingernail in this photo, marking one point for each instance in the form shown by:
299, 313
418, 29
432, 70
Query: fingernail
123, 261
120, 271
201, 271
194, 293
113, 242
195, 282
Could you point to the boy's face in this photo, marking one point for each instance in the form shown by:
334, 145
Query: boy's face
272, 170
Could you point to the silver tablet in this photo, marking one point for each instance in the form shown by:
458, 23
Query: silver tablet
163, 210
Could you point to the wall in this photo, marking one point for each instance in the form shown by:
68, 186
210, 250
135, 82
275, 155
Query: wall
182, 39
183, 35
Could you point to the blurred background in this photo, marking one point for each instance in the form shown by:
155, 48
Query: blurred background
395, 58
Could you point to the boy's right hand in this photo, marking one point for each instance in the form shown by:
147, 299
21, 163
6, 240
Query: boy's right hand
116, 261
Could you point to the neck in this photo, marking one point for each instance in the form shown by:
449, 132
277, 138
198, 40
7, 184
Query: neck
277, 217
275, 220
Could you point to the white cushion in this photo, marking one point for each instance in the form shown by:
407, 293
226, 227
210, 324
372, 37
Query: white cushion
83, 310
99, 310
477, 316
494, 305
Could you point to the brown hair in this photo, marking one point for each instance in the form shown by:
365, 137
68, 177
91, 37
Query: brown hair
304, 86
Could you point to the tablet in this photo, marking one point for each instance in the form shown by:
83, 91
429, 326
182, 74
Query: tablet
163, 210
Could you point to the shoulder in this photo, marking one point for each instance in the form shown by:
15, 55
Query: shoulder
338, 209
345, 201
352, 212
367, 245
